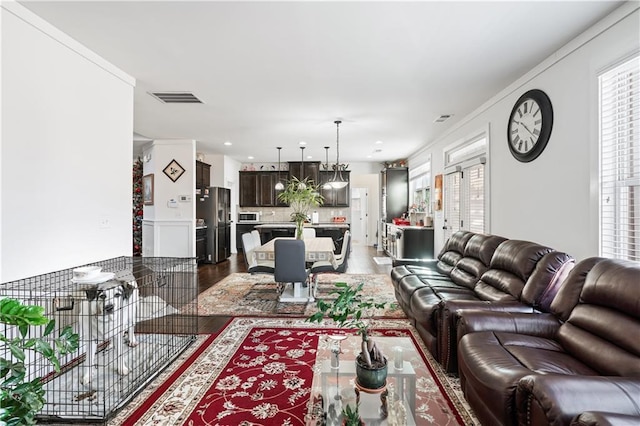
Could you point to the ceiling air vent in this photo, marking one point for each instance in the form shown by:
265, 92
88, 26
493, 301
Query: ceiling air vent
176, 97
443, 118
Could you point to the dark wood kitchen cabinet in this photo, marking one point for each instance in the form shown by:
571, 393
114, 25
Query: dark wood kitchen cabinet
335, 197
248, 189
201, 245
203, 175
257, 189
311, 170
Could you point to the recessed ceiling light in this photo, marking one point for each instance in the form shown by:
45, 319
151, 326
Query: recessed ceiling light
309, 157
227, 143
378, 142
250, 157
368, 156
303, 143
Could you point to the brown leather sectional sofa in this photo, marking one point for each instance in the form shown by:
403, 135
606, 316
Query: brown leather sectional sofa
476, 270
539, 341
551, 368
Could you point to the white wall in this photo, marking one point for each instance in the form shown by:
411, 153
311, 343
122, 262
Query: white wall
169, 228
66, 176
554, 199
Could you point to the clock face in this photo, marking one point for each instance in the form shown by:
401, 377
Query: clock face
530, 125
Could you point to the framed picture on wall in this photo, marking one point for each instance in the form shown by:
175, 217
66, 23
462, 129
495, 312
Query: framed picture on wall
147, 189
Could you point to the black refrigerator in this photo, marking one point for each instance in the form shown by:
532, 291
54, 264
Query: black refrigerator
215, 210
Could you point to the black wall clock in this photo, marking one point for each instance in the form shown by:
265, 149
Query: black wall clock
530, 125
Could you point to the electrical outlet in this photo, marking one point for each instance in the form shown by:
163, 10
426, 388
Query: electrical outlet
104, 223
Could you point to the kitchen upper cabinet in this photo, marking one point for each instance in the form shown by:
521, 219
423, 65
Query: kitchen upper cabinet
311, 170
249, 189
257, 189
335, 197
267, 193
203, 175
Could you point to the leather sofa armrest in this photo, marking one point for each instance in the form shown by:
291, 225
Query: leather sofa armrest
556, 399
600, 418
448, 324
541, 325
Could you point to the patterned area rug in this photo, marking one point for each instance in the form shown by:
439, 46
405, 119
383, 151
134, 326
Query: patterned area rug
259, 371
256, 295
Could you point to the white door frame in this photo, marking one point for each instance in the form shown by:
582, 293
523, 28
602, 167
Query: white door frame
360, 216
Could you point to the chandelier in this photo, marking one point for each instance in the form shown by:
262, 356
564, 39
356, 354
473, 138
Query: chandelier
337, 181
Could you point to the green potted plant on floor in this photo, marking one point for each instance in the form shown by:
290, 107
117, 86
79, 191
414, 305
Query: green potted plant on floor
21, 400
301, 196
353, 311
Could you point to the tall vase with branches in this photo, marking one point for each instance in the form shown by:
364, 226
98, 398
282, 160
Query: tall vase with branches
301, 196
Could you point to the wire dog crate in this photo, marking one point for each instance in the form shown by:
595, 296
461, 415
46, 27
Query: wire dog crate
133, 319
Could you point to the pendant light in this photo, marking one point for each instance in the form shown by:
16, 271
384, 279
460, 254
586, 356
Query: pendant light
327, 185
279, 186
302, 185
338, 182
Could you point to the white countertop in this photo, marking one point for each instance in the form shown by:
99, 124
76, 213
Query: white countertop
307, 225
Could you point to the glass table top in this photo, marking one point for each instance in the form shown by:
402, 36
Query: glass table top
334, 386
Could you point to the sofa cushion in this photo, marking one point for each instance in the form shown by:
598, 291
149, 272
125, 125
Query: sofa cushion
452, 251
475, 260
492, 363
511, 266
602, 330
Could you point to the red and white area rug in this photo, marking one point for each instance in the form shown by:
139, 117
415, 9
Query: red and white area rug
259, 371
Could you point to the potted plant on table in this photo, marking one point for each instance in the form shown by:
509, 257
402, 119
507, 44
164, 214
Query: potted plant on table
301, 196
21, 400
352, 310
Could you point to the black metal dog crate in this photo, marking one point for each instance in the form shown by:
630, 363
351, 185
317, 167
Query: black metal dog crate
161, 293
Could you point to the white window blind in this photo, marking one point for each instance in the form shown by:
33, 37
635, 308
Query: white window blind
473, 185
620, 161
452, 203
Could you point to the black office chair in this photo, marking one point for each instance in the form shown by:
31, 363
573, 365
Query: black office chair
290, 264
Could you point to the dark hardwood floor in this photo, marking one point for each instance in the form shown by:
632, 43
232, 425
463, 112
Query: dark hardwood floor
360, 262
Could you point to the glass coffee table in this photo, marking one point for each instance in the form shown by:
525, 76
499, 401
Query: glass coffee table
334, 386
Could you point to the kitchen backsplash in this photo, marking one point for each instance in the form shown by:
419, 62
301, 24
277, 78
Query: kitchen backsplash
283, 214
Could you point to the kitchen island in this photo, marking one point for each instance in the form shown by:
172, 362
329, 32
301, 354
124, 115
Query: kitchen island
408, 243
335, 230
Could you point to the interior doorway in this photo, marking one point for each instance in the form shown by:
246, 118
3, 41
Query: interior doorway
359, 216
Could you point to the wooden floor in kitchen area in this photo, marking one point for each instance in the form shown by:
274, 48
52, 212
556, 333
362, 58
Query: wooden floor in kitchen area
361, 261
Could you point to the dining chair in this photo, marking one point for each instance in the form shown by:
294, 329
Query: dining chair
253, 267
256, 237
308, 232
290, 265
341, 259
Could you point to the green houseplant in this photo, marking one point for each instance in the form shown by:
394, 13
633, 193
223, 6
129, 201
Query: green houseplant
350, 416
21, 400
350, 309
301, 196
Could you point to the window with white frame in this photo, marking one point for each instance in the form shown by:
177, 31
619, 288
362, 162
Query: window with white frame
620, 161
464, 186
420, 188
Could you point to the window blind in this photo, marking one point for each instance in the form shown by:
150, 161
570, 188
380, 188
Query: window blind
473, 215
620, 161
452, 203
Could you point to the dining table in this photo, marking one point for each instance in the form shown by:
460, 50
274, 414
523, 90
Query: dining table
316, 249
